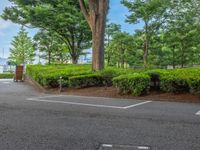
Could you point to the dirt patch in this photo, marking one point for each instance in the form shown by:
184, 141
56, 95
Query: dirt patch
112, 92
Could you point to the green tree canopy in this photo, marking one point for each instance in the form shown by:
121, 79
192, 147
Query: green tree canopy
61, 17
23, 50
51, 48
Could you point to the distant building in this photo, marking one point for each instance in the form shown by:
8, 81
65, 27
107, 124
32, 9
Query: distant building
4, 66
3, 61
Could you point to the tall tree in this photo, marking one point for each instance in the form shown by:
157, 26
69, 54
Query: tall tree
151, 13
182, 33
51, 46
23, 50
61, 17
111, 30
95, 13
123, 50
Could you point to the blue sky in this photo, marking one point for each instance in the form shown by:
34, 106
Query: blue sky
8, 30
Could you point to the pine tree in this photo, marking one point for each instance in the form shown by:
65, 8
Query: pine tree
23, 50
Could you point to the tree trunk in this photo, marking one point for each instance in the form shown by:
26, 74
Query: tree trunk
98, 48
74, 59
182, 55
95, 15
146, 45
173, 57
49, 57
122, 56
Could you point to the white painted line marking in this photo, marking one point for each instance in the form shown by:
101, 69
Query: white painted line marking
6, 82
198, 113
107, 145
40, 99
76, 96
138, 104
143, 147
73, 103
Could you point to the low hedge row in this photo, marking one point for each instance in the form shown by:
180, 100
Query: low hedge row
177, 81
6, 76
135, 84
83, 81
49, 76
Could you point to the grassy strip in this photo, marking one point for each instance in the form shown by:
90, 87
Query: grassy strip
6, 76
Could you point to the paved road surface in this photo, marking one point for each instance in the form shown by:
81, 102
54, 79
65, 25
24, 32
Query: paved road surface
30, 120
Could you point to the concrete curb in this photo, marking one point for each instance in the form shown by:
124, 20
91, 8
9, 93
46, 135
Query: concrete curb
35, 84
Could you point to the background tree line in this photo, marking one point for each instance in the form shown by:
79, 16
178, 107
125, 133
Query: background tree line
170, 35
170, 32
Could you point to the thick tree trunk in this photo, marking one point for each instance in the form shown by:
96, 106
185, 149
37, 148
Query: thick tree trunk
96, 18
74, 59
98, 46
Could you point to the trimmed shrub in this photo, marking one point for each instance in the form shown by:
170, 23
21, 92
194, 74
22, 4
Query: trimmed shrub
173, 83
127, 80
155, 80
108, 74
194, 84
176, 80
6, 76
135, 84
83, 81
49, 75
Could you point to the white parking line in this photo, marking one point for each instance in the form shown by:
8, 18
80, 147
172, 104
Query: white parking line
124, 147
76, 96
73, 103
5, 80
138, 104
198, 113
85, 104
6, 83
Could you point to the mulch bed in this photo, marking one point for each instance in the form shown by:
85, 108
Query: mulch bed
112, 92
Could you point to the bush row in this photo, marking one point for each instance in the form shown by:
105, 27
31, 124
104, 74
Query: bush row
176, 81
136, 82
6, 76
49, 76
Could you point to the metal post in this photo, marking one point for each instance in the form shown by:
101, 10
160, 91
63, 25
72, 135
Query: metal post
60, 86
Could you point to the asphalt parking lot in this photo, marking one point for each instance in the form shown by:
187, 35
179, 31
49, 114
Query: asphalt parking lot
30, 120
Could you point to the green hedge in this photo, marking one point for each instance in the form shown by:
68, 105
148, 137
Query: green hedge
135, 81
6, 76
136, 84
173, 83
83, 81
194, 84
177, 80
49, 75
